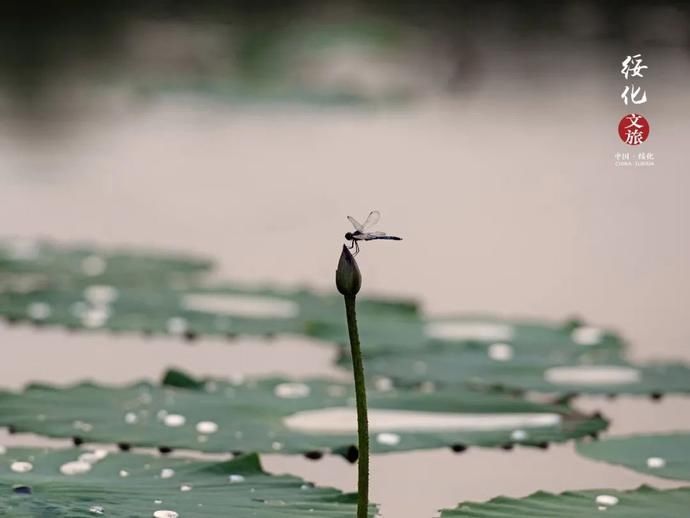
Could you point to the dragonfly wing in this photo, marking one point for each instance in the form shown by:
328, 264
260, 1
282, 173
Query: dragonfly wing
372, 219
355, 223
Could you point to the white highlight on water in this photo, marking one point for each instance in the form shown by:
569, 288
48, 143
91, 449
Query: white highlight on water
241, 305
592, 375
343, 420
470, 330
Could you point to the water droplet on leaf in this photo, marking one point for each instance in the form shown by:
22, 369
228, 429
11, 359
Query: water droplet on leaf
206, 427
586, 335
82, 426
383, 384
291, 390
21, 467
336, 390
93, 265
606, 500
93, 456
76, 467
501, 352
518, 435
100, 294
389, 439
656, 462
174, 420
177, 326
38, 311
95, 316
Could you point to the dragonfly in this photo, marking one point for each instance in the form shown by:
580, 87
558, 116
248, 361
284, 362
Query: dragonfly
362, 234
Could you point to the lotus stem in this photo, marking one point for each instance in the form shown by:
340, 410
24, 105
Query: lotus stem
349, 281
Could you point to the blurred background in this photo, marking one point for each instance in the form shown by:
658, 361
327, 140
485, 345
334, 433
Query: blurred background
485, 133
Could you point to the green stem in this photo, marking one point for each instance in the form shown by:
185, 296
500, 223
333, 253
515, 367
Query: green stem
362, 420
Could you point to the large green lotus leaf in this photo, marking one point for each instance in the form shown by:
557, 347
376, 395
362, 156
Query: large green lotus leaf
405, 333
528, 334
292, 417
392, 326
399, 330
511, 367
189, 310
159, 310
75, 483
643, 502
86, 287
26, 262
665, 456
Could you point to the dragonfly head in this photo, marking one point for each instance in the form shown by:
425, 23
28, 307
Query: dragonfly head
348, 236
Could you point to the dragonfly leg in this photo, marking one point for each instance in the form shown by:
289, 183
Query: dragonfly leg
356, 247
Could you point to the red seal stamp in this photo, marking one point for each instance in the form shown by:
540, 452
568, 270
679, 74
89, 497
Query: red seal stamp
633, 129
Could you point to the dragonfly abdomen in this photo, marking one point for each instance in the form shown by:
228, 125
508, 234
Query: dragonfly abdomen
392, 238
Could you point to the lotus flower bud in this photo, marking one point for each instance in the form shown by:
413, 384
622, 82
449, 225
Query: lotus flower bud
348, 280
